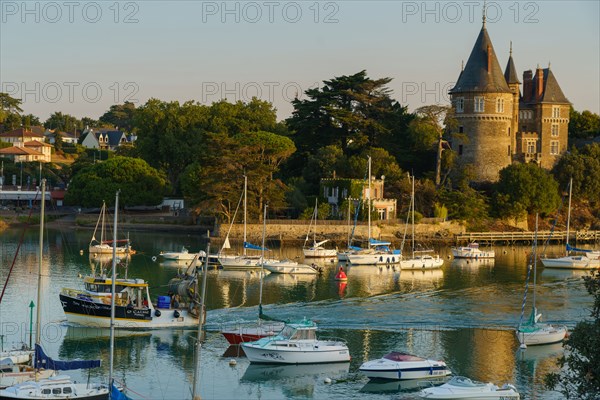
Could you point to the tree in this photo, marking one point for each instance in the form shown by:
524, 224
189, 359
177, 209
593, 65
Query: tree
352, 112
62, 122
579, 377
30, 120
121, 116
584, 167
525, 188
10, 109
139, 183
583, 125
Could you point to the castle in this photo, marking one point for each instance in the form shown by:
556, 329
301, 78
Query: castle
501, 125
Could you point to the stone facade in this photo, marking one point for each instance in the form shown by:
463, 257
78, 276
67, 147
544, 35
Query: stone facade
500, 124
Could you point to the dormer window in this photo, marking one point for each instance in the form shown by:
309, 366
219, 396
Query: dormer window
479, 105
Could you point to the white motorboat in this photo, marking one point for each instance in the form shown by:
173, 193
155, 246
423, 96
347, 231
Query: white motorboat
533, 332
461, 388
400, 366
472, 250
182, 255
57, 387
16, 356
289, 267
297, 343
420, 260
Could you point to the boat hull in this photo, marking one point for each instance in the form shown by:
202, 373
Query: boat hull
319, 253
547, 334
17, 356
25, 374
571, 262
80, 311
393, 370
243, 334
243, 262
422, 263
268, 355
470, 253
374, 259
107, 249
290, 269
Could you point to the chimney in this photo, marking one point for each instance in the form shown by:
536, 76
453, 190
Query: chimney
489, 59
527, 85
540, 82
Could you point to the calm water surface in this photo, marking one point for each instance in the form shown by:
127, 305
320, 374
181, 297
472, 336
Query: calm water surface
464, 313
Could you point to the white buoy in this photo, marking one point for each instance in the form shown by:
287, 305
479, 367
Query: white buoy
154, 258
232, 362
523, 346
327, 380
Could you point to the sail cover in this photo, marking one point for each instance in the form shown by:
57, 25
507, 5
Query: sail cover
253, 246
569, 248
375, 242
43, 361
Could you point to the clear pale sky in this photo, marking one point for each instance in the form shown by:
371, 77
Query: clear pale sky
80, 57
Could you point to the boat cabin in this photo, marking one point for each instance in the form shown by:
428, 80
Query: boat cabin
299, 332
133, 292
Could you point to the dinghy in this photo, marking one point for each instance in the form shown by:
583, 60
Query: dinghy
401, 366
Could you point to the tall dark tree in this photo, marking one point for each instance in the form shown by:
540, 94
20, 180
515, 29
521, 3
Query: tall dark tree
584, 167
352, 112
62, 122
121, 116
585, 124
10, 112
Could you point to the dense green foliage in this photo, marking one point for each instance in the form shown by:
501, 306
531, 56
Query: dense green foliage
525, 188
584, 167
120, 116
139, 183
583, 125
579, 377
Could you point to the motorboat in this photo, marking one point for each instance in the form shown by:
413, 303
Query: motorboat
182, 255
421, 260
472, 250
461, 388
289, 267
400, 366
16, 356
297, 343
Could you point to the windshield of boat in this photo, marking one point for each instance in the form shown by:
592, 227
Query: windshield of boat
465, 382
396, 356
293, 333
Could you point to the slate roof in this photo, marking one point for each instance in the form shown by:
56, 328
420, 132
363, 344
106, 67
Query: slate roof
475, 77
552, 91
510, 73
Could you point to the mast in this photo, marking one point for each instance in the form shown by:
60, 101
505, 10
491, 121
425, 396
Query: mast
369, 210
113, 294
349, 204
412, 200
103, 227
569, 214
262, 262
38, 316
245, 212
316, 217
535, 263
196, 387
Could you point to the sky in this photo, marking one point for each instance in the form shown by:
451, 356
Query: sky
80, 57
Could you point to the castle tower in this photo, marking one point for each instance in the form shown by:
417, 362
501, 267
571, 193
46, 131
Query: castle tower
511, 77
483, 104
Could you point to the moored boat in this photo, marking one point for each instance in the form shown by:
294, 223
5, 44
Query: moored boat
183, 254
289, 267
297, 343
472, 250
461, 388
400, 366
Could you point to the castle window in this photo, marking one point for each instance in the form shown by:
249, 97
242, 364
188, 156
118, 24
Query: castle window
460, 104
499, 105
508, 131
479, 104
529, 114
554, 147
555, 112
554, 129
530, 146
461, 129
460, 149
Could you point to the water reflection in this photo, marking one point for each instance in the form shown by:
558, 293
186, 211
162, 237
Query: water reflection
472, 263
274, 373
411, 385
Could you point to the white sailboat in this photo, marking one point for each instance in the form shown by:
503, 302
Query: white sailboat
421, 259
245, 261
265, 326
54, 387
378, 252
533, 332
316, 250
574, 258
104, 246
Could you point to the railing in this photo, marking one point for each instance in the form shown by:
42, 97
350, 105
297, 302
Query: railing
511, 237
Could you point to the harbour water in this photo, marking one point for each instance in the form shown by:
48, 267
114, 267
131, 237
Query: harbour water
464, 313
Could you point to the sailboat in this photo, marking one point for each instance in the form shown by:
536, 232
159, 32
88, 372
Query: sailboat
104, 246
532, 332
55, 387
245, 261
585, 259
421, 259
316, 250
378, 252
265, 326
